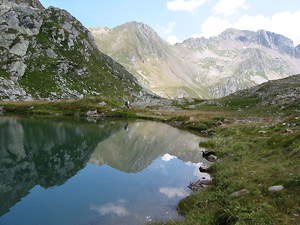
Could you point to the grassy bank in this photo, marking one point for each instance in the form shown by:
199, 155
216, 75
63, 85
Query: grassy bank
257, 147
254, 155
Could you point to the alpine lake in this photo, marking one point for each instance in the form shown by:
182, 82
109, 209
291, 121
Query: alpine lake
78, 171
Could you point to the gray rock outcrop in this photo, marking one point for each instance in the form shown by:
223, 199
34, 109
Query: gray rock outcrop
47, 54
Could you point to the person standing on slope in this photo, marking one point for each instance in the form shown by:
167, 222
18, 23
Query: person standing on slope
127, 103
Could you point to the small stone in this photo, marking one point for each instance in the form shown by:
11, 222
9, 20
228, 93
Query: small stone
295, 151
212, 158
240, 193
113, 110
220, 123
289, 131
276, 188
102, 103
262, 132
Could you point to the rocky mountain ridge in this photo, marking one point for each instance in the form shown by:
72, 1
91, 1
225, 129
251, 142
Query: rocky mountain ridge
276, 92
207, 68
47, 54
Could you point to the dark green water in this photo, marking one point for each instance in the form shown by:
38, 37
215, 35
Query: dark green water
76, 172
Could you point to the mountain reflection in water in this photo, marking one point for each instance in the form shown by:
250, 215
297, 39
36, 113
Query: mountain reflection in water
47, 152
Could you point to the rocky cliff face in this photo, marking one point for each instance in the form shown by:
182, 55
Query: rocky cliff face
48, 54
209, 68
31, 3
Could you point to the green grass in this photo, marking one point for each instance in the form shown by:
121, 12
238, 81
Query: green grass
253, 161
3, 73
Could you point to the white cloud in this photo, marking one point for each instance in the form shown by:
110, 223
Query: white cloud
282, 23
167, 157
173, 40
166, 30
111, 208
214, 26
173, 192
197, 35
229, 7
189, 6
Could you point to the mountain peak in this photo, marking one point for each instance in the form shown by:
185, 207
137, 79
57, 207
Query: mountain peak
273, 40
261, 37
142, 29
235, 34
32, 3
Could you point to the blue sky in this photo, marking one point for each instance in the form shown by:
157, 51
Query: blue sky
177, 20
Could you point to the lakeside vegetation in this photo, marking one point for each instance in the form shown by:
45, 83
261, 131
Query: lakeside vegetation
257, 146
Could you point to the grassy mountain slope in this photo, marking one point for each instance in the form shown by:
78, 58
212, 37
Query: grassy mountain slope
151, 59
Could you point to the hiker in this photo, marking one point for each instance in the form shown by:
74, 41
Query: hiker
127, 103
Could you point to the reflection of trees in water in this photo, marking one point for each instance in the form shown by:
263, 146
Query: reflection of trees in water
146, 141
43, 152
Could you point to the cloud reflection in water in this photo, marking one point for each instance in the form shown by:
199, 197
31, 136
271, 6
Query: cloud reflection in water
173, 192
167, 157
111, 208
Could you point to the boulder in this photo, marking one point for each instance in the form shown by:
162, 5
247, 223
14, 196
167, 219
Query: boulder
240, 193
212, 158
205, 169
92, 113
102, 103
17, 70
207, 153
199, 185
20, 48
203, 181
276, 188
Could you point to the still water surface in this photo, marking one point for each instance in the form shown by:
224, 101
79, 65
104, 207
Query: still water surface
78, 172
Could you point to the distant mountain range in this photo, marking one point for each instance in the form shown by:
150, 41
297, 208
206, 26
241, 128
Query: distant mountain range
205, 68
47, 54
